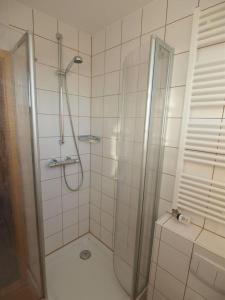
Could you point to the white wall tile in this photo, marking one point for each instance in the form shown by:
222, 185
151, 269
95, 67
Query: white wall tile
84, 86
154, 15
112, 59
48, 125
110, 148
52, 225
84, 227
70, 217
208, 3
98, 42
109, 167
170, 160
169, 258
107, 204
113, 34
45, 25
96, 163
46, 78
129, 47
178, 9
110, 127
70, 35
85, 42
176, 102
111, 106
49, 147
83, 212
178, 35
70, 233
53, 242
112, 81
98, 86
167, 185
108, 186
98, 63
170, 287
107, 237
48, 102
131, 26
97, 107
51, 188
173, 132
69, 201
85, 67
20, 15
107, 221
180, 69
51, 208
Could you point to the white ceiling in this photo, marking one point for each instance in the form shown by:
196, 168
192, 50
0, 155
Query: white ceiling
87, 15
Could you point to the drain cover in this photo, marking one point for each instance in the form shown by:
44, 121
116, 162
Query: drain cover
85, 254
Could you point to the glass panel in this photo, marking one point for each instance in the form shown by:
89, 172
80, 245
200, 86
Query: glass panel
132, 250
20, 275
130, 149
154, 161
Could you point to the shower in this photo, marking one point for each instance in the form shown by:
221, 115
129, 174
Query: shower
62, 79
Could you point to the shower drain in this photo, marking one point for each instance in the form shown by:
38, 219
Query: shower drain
85, 254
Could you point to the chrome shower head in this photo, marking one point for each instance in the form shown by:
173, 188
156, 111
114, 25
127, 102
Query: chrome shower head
78, 59
75, 60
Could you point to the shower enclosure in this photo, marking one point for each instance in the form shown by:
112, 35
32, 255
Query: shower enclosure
20, 255
143, 114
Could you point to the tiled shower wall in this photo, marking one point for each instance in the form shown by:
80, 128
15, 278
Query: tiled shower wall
171, 20
65, 213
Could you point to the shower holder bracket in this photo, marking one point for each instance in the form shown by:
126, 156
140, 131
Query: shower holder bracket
92, 139
68, 161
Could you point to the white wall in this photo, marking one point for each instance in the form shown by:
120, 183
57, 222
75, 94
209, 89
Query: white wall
66, 214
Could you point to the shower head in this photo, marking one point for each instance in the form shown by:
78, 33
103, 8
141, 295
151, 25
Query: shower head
75, 60
78, 59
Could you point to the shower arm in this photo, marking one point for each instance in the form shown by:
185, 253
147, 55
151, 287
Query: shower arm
60, 74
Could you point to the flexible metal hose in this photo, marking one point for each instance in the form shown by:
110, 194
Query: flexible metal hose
75, 143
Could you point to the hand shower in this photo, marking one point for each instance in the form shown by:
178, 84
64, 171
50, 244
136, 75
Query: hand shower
63, 82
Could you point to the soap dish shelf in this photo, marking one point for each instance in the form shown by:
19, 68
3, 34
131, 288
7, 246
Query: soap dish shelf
92, 139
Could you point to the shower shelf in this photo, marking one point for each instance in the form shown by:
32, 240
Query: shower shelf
92, 139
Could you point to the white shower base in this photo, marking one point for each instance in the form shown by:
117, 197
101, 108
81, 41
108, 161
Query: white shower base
71, 278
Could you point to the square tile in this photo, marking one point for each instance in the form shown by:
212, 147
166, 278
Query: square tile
98, 42
45, 25
169, 258
131, 27
113, 34
85, 42
178, 35
112, 59
169, 286
178, 9
154, 15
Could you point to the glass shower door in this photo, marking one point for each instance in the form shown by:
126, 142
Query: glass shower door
20, 266
146, 81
